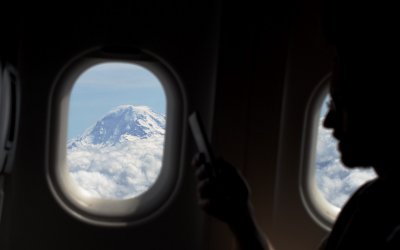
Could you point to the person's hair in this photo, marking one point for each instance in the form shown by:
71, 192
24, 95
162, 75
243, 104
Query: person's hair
370, 22
365, 36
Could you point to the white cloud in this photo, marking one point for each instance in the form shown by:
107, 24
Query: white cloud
119, 171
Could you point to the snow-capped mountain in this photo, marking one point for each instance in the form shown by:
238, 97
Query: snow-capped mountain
123, 121
120, 156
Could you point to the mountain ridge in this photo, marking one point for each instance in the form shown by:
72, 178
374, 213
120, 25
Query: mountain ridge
120, 123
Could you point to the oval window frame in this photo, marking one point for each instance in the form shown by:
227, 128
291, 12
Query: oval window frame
115, 213
322, 212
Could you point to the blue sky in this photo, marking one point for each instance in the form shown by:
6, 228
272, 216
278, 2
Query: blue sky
105, 86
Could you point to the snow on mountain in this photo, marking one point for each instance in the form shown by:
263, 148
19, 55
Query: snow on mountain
137, 121
121, 155
336, 182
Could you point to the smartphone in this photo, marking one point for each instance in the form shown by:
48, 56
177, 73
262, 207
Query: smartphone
200, 137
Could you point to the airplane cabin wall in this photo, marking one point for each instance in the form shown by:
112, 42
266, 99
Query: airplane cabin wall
310, 60
183, 34
272, 59
248, 68
254, 44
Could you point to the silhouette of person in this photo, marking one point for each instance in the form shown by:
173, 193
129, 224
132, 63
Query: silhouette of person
362, 118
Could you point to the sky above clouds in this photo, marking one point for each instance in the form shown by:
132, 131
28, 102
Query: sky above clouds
121, 101
108, 85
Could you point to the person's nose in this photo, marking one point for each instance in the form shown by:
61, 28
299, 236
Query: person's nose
328, 120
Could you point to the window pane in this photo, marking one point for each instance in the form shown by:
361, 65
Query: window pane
116, 130
336, 182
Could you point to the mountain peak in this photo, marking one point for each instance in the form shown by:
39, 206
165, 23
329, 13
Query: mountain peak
123, 121
131, 108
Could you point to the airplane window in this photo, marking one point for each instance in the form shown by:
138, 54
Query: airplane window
116, 128
335, 182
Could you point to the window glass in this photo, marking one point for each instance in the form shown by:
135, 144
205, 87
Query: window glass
336, 182
116, 130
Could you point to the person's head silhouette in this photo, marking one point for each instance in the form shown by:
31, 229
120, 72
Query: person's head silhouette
363, 86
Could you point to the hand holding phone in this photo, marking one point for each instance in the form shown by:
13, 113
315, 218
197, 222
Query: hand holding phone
200, 138
221, 189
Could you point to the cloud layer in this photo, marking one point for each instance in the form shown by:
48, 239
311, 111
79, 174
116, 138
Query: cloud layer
119, 171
